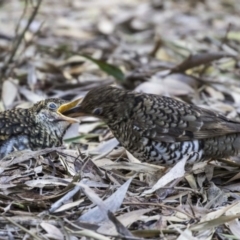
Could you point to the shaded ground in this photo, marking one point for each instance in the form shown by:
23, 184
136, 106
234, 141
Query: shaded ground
183, 49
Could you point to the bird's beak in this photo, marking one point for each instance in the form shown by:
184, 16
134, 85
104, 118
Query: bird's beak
66, 113
71, 109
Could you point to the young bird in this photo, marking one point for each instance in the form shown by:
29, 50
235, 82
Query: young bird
40, 126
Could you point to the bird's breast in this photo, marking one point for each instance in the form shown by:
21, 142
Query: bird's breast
148, 150
19, 143
170, 153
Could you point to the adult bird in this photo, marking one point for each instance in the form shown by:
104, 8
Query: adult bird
40, 126
159, 129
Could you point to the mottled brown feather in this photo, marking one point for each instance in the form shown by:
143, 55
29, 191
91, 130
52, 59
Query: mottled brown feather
173, 120
161, 129
33, 128
158, 117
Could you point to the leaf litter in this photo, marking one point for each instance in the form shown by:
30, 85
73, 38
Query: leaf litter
92, 188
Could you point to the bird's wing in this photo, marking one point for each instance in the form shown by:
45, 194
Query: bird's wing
14, 122
166, 119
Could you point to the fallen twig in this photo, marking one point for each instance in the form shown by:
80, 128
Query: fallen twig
18, 42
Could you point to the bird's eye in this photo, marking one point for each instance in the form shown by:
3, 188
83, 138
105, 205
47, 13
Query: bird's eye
97, 111
52, 105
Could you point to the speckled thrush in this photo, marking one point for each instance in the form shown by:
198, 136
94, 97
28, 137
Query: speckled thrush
159, 129
38, 127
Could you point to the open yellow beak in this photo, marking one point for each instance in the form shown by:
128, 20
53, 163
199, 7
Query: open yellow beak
66, 107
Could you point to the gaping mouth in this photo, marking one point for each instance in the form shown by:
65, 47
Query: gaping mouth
71, 109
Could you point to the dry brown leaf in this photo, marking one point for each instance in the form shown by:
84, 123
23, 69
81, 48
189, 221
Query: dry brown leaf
176, 172
126, 219
112, 203
52, 231
9, 92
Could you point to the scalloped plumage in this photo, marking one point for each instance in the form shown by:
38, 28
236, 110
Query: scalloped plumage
161, 129
33, 128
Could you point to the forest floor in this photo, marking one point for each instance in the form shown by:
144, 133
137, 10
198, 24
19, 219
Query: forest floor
92, 188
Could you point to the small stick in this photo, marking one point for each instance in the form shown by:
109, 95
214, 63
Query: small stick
18, 42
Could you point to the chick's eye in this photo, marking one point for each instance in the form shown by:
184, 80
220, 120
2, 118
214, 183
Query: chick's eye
52, 105
97, 111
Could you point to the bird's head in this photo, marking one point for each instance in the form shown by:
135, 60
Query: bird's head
47, 114
107, 102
